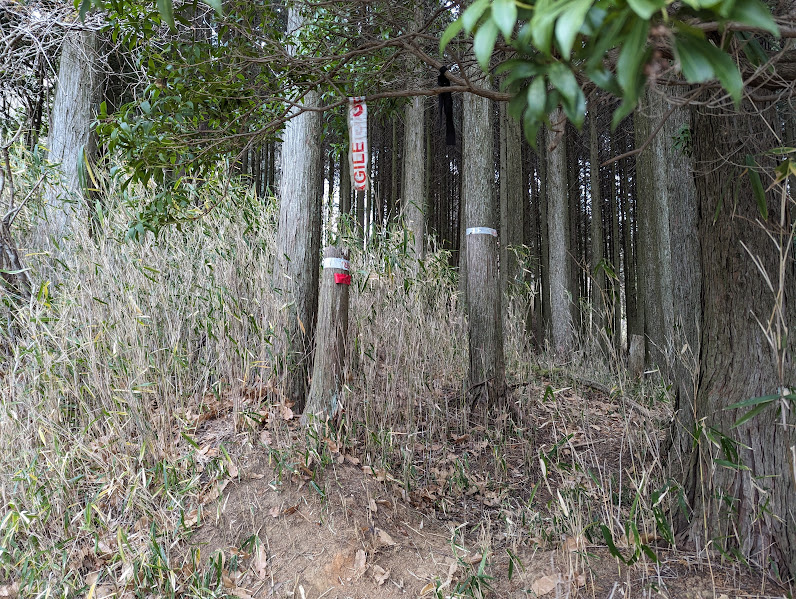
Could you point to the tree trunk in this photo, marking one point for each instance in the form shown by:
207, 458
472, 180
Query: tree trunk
345, 185
511, 199
487, 378
298, 237
654, 252
748, 507
544, 250
76, 100
686, 272
330, 342
616, 257
414, 202
597, 238
558, 234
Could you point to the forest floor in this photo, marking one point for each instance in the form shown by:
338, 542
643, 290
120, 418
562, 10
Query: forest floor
146, 451
286, 514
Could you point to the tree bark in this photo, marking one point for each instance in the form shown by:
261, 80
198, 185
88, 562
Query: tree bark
544, 235
748, 507
298, 237
511, 200
597, 238
76, 99
558, 234
654, 250
487, 378
330, 341
686, 270
414, 202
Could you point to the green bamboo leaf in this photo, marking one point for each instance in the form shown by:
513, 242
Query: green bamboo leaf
757, 187
484, 43
504, 14
753, 401
609, 541
751, 414
730, 465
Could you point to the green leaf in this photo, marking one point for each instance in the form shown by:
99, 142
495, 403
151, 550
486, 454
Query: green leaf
471, 16
542, 25
757, 187
646, 8
573, 100
504, 14
536, 97
216, 5
569, 24
753, 401
751, 413
484, 43
694, 62
754, 13
730, 465
530, 126
632, 55
85, 5
450, 32
520, 71
166, 10
627, 106
609, 541
650, 553
517, 104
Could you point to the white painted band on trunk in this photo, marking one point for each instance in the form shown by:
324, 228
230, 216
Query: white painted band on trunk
336, 263
482, 231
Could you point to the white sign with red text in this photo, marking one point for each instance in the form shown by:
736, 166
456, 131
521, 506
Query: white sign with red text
358, 142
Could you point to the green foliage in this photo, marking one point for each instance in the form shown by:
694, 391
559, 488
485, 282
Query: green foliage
559, 44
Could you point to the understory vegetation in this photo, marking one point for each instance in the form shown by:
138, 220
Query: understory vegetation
127, 347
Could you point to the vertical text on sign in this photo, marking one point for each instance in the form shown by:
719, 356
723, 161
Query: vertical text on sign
358, 139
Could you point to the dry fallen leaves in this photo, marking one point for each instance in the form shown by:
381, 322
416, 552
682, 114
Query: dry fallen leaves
380, 575
260, 562
9, 590
360, 564
385, 539
545, 584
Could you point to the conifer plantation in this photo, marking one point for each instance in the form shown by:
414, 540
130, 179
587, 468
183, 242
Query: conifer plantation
368, 299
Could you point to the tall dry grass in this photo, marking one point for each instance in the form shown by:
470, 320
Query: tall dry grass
122, 338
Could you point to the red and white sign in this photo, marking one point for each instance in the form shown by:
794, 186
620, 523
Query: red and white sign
358, 142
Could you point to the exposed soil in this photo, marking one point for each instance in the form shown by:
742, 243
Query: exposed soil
338, 527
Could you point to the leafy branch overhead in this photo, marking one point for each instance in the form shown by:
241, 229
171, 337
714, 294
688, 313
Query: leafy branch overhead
562, 46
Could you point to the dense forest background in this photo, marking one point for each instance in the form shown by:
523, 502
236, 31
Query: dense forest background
572, 283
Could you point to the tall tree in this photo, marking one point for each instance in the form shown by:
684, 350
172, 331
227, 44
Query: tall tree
298, 238
512, 194
70, 140
414, 200
654, 249
685, 264
487, 377
559, 265
597, 237
748, 506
